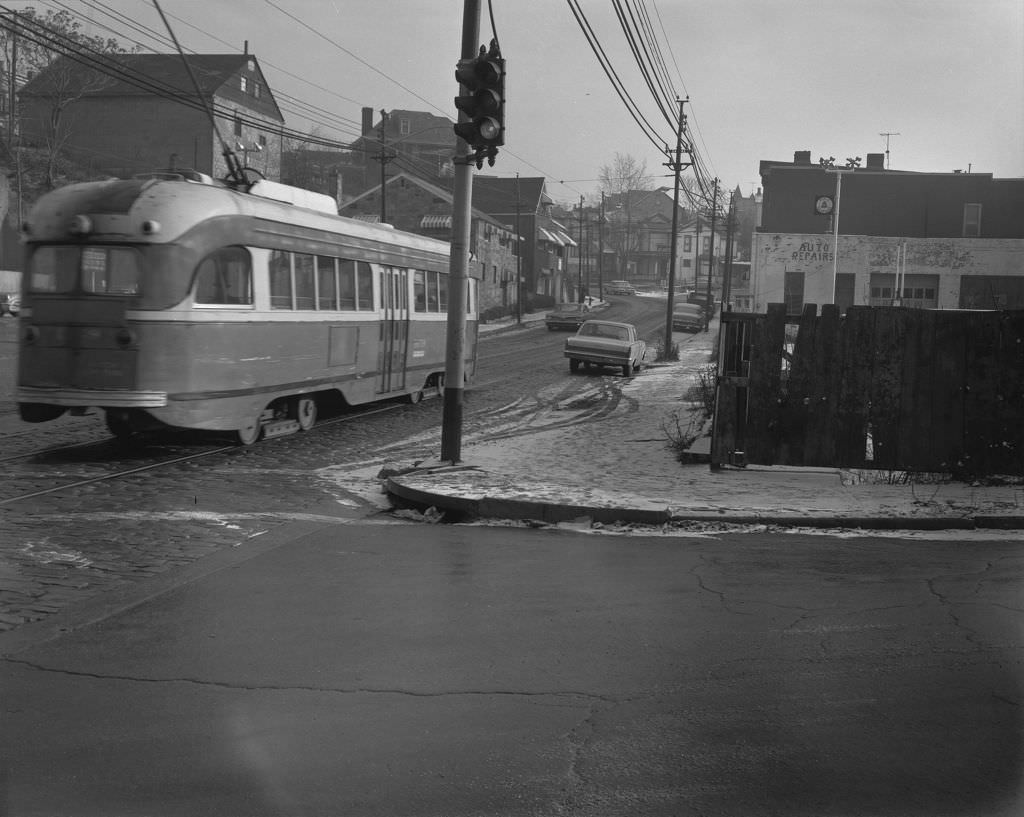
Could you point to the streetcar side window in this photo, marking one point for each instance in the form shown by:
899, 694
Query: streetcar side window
327, 283
54, 269
347, 283
442, 291
430, 291
419, 290
364, 288
280, 280
225, 277
305, 281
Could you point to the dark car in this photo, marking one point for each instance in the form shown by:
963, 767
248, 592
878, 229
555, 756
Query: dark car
703, 301
688, 317
567, 316
621, 288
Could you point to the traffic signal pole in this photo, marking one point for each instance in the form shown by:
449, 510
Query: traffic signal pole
458, 265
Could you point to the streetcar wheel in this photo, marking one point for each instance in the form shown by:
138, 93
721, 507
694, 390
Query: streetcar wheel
119, 425
574, 364
414, 397
305, 413
249, 433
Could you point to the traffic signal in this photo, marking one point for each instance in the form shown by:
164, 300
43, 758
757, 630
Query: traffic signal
482, 100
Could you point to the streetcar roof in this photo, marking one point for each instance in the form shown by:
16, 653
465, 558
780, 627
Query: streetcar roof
127, 209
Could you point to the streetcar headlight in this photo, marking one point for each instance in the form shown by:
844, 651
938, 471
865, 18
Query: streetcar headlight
150, 227
125, 337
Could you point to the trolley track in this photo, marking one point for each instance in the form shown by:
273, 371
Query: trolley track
86, 463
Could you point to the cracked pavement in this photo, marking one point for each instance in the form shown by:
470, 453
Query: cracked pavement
330, 668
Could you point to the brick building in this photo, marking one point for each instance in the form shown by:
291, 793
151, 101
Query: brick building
929, 240
418, 206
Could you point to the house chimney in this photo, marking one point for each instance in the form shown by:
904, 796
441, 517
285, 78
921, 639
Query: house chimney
876, 161
367, 121
802, 157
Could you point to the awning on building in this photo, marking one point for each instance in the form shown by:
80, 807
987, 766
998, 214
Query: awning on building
436, 223
566, 240
549, 236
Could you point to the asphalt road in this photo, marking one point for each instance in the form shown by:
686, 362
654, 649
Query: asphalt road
230, 639
431, 670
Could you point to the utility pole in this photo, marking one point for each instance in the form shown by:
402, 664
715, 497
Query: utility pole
711, 256
12, 89
462, 198
579, 255
383, 157
676, 166
600, 253
730, 226
887, 135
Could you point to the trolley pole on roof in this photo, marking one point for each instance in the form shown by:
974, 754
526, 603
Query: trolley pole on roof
462, 198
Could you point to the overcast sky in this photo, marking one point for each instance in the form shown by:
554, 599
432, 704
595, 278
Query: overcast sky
764, 77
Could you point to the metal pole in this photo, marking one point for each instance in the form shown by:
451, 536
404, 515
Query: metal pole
835, 234
675, 234
519, 261
462, 199
579, 255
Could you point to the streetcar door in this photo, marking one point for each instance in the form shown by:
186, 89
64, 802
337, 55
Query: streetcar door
394, 329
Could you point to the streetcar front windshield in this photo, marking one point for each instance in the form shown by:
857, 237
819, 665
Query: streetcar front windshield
96, 270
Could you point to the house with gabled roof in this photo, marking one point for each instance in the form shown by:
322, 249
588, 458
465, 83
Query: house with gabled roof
140, 112
420, 206
524, 205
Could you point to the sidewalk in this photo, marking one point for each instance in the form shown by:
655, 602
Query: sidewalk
621, 469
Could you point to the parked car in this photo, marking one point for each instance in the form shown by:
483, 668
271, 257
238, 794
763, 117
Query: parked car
567, 316
621, 288
703, 301
688, 317
606, 343
10, 304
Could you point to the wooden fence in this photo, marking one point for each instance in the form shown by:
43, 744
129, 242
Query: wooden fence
879, 387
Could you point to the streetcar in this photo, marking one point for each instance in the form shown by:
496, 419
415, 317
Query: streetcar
176, 301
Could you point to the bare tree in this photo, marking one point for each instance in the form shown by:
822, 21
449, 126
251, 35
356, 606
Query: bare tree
624, 182
31, 43
623, 175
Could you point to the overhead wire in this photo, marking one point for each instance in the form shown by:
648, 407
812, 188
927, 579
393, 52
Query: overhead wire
661, 99
648, 130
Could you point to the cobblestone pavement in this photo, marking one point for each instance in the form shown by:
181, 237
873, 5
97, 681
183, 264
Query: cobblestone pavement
66, 547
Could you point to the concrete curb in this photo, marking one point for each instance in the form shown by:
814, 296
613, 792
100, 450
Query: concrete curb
499, 508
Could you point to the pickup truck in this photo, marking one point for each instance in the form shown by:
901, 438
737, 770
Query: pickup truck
606, 343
